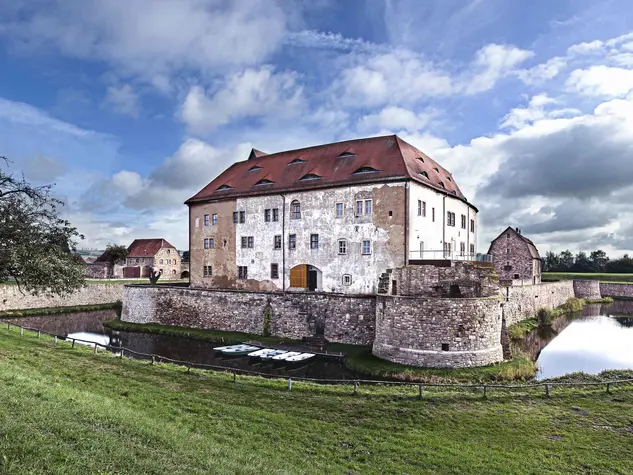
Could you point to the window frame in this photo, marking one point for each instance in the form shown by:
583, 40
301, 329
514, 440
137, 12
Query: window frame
274, 271
342, 209
295, 209
369, 207
472, 225
314, 241
236, 217
242, 217
242, 272
277, 245
366, 251
214, 219
206, 220
292, 242
419, 207
342, 244
359, 207
207, 271
267, 215
251, 242
211, 244
463, 221
433, 214
275, 215
347, 279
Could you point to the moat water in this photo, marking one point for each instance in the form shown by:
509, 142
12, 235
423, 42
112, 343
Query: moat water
89, 326
600, 338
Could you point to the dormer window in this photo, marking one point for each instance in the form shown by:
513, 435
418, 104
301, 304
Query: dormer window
441, 183
436, 169
254, 169
362, 170
421, 159
309, 176
224, 188
424, 174
346, 154
453, 192
296, 161
449, 178
264, 182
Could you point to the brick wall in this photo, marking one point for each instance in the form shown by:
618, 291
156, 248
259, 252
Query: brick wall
472, 280
91, 294
522, 302
587, 289
344, 319
616, 290
438, 332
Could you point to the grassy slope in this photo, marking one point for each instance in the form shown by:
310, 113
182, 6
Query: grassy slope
611, 278
68, 411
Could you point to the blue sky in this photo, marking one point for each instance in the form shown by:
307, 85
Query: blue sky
131, 107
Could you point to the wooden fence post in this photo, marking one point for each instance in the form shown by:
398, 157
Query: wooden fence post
289, 384
547, 390
608, 387
38, 333
485, 391
152, 359
122, 350
234, 377
21, 330
73, 345
55, 340
419, 391
355, 387
95, 348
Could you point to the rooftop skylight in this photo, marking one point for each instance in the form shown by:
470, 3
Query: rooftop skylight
264, 182
346, 154
224, 188
309, 176
362, 170
296, 161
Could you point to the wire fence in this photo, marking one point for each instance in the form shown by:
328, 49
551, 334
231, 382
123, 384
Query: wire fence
356, 383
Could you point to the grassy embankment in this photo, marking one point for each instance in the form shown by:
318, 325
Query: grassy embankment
359, 358
544, 316
29, 312
117, 281
68, 411
607, 278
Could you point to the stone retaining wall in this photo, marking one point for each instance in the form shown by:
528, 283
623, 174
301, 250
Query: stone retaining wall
434, 332
587, 289
340, 318
91, 294
616, 290
522, 302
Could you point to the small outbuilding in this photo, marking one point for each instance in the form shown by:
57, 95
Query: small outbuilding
516, 258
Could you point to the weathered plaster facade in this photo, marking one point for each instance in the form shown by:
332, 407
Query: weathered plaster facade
516, 258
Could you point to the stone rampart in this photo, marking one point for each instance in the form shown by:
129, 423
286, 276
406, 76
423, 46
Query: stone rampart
339, 318
587, 289
439, 332
92, 294
523, 302
616, 290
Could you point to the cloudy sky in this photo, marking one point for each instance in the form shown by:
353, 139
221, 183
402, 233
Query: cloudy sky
131, 106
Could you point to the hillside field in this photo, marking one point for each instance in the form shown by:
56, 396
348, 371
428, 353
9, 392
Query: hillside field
69, 411
612, 278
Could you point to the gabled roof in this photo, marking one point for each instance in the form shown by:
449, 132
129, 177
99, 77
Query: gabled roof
335, 164
532, 248
147, 247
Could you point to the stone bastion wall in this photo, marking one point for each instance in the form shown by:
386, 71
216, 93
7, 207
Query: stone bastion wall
339, 318
439, 332
524, 301
616, 290
92, 294
587, 289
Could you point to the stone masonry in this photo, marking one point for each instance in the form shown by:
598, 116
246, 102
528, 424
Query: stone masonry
587, 289
616, 290
92, 294
522, 302
516, 259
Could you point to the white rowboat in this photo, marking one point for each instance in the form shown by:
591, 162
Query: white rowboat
283, 356
272, 354
263, 352
300, 357
239, 350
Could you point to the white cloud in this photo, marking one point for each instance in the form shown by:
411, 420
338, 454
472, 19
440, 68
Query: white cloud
601, 81
149, 38
123, 99
543, 72
591, 47
537, 109
493, 62
250, 93
394, 118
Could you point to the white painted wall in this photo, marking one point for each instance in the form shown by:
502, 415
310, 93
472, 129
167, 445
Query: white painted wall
423, 229
318, 216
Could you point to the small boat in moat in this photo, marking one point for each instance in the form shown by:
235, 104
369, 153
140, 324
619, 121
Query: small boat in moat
285, 355
272, 354
299, 358
236, 350
262, 352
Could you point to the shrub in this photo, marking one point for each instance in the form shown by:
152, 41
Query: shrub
573, 305
544, 316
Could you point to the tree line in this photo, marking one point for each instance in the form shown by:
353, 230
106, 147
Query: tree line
596, 261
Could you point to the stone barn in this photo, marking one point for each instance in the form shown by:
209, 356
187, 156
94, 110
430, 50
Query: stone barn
516, 258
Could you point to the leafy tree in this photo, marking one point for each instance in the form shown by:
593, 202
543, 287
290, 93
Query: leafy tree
551, 263
566, 261
582, 263
114, 253
36, 245
154, 276
620, 266
599, 260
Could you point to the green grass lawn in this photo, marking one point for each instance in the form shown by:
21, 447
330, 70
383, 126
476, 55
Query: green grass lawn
68, 411
610, 278
117, 281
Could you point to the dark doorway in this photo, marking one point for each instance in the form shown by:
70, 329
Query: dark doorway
312, 279
454, 291
319, 329
394, 287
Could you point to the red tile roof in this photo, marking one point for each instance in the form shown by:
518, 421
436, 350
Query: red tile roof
146, 247
360, 161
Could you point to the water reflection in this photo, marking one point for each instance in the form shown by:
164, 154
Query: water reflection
89, 326
597, 340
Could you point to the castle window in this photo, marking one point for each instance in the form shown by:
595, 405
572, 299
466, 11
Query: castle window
296, 161
197, 222
224, 188
362, 170
367, 206
292, 241
207, 271
433, 214
314, 241
277, 242
214, 219
248, 242
444, 346
472, 225
450, 217
309, 176
462, 248
211, 245
295, 210
242, 272
160, 261
274, 271
342, 247
472, 249
275, 215
419, 207
242, 216
339, 210
206, 220
424, 174
267, 215
347, 279
366, 248
516, 276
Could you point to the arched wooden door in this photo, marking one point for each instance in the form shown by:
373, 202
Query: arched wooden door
299, 277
